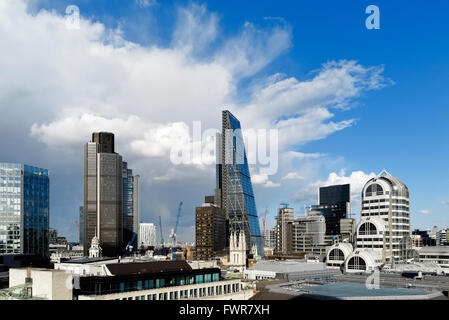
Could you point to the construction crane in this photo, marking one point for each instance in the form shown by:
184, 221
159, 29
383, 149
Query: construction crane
263, 224
160, 227
77, 225
173, 232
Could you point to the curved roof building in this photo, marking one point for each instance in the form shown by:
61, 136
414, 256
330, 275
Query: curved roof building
337, 254
385, 217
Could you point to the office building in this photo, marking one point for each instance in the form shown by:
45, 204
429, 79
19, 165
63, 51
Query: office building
383, 233
147, 235
210, 230
442, 237
234, 191
131, 209
385, 199
283, 230
155, 280
103, 196
270, 238
81, 225
24, 209
334, 203
52, 236
424, 238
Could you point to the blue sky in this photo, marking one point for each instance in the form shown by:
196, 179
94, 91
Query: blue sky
399, 126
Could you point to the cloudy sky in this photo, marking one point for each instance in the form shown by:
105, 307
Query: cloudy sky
347, 101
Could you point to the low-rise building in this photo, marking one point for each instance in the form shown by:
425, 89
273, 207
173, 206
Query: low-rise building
438, 255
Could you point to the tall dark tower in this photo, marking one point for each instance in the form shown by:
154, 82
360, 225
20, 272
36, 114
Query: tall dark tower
105, 141
103, 192
335, 205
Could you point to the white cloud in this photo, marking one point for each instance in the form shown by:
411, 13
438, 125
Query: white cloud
357, 179
146, 3
424, 212
262, 179
293, 176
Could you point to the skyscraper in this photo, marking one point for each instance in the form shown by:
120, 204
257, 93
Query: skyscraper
234, 191
127, 176
334, 203
136, 208
24, 209
384, 225
131, 214
81, 225
103, 194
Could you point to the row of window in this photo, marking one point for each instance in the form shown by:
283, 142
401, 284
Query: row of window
186, 294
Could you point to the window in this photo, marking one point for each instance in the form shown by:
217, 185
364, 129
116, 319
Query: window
199, 278
357, 263
336, 254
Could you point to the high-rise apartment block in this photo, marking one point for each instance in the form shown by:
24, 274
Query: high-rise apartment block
24, 209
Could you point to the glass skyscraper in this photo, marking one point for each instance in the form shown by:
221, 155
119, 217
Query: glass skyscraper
335, 205
130, 207
24, 209
234, 191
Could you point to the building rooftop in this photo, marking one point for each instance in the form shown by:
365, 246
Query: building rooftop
118, 269
437, 249
85, 260
287, 266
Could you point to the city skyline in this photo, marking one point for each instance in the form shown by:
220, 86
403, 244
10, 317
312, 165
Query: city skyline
374, 115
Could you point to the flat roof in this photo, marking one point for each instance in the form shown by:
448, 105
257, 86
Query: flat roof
89, 260
439, 249
118, 269
287, 266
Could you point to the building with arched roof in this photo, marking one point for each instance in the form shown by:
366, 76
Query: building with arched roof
385, 217
337, 254
362, 260
383, 234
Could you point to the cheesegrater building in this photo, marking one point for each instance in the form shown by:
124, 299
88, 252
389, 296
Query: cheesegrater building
234, 191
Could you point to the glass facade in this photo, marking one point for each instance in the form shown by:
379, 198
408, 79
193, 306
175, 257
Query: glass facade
127, 203
119, 284
334, 204
24, 209
238, 196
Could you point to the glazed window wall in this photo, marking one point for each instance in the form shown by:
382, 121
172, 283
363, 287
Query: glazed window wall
10, 207
99, 288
